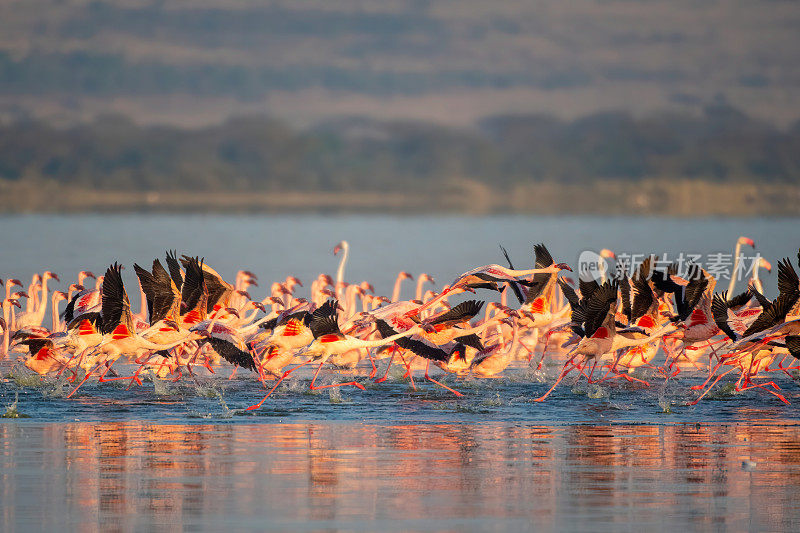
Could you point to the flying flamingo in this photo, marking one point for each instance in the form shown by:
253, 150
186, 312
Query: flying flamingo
329, 340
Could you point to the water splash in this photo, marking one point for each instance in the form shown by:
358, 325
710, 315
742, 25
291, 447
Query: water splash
12, 410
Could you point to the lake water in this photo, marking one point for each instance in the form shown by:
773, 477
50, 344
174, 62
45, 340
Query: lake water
616, 457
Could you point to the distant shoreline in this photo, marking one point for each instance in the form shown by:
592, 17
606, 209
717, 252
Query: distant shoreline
654, 197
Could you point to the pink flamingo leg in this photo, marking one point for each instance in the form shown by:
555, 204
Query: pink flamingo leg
313, 387
389, 367
427, 365
285, 374
564, 372
712, 386
85, 379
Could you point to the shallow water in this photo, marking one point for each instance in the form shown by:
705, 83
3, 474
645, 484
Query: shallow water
401, 477
607, 458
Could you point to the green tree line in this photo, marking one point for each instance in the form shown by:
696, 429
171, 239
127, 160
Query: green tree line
258, 153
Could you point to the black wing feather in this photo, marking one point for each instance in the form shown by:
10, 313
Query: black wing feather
232, 354
417, 347
460, 313
514, 286
719, 309
175, 269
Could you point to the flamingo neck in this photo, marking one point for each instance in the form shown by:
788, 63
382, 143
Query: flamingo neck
342, 263
732, 284
396, 292
54, 310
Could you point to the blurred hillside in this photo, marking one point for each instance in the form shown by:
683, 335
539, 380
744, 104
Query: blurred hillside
453, 62
721, 163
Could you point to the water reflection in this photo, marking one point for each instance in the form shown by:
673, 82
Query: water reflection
419, 477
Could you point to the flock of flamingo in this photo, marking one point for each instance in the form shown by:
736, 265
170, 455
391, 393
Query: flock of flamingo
192, 320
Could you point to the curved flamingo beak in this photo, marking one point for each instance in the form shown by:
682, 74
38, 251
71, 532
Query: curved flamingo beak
15, 301
564, 266
232, 311
252, 281
406, 275
245, 294
259, 306
88, 274
747, 241
337, 249
54, 276
13, 282
295, 281
171, 323
276, 300
249, 274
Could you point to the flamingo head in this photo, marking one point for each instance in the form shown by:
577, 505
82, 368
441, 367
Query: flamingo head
244, 293
76, 287
293, 281
275, 300
763, 263
509, 320
14, 301
13, 281
259, 306
300, 301
233, 311
87, 274
747, 241
339, 247
426, 277
283, 289
367, 286
563, 266
59, 295
327, 292
507, 311
326, 279
20, 294
405, 275
251, 281
51, 275
248, 274
607, 254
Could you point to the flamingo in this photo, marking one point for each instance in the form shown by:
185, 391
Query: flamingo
597, 325
34, 316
